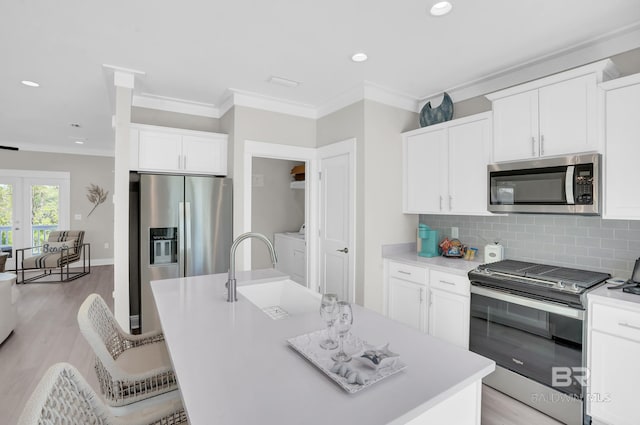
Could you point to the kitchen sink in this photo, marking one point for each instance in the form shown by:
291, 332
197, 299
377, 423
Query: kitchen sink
281, 299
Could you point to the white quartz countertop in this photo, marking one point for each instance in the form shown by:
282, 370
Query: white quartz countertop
452, 265
632, 300
234, 365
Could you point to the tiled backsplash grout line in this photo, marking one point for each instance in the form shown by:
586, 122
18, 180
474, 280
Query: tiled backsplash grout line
592, 243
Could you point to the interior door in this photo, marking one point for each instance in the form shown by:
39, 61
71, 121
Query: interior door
336, 220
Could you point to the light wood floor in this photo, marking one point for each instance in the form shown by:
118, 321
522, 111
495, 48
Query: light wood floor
48, 333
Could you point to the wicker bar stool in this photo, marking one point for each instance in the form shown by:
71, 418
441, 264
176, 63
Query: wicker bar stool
64, 397
130, 368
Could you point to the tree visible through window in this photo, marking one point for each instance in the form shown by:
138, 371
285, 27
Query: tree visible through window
44, 211
6, 210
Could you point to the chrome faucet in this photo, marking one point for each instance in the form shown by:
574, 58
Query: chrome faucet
231, 283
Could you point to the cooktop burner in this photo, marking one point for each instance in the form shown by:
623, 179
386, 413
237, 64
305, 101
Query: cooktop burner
559, 284
554, 274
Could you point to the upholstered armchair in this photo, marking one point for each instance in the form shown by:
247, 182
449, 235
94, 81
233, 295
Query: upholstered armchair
3, 260
62, 248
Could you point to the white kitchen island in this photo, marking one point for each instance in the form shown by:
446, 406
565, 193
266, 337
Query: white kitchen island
234, 365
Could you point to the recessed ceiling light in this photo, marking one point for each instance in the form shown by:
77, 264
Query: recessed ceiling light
30, 83
441, 8
80, 142
359, 57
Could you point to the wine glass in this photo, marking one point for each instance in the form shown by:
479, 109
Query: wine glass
342, 325
329, 312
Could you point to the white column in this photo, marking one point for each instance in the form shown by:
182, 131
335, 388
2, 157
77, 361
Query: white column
124, 83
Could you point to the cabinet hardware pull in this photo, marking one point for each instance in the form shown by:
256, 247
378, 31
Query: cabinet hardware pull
440, 203
533, 146
179, 161
627, 325
184, 162
421, 296
447, 282
403, 272
450, 202
542, 144
430, 298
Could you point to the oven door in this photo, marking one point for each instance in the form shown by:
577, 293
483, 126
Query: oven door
529, 337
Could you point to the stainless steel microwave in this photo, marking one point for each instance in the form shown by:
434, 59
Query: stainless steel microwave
560, 185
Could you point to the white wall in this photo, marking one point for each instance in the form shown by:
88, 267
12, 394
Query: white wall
83, 170
258, 125
384, 221
275, 207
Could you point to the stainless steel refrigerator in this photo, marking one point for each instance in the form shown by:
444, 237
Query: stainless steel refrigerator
179, 226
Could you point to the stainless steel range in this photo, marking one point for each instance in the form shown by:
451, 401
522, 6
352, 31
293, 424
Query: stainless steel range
530, 319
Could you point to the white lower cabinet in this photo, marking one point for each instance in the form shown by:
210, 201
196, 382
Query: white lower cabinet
613, 350
432, 301
407, 303
449, 317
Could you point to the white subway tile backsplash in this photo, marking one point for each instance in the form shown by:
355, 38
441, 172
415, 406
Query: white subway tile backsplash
573, 241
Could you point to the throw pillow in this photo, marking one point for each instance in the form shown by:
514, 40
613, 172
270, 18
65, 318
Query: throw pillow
57, 247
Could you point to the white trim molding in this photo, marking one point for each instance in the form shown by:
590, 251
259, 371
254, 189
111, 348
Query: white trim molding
181, 106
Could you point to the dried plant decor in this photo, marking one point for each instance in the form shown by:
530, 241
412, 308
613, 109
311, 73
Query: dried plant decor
96, 195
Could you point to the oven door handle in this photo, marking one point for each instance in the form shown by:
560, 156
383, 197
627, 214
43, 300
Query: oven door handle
549, 307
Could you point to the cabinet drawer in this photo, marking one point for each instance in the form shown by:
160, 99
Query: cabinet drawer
613, 320
407, 272
450, 282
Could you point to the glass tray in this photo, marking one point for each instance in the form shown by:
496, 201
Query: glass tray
308, 346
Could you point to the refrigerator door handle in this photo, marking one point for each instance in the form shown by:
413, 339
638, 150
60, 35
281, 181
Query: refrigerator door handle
187, 240
181, 238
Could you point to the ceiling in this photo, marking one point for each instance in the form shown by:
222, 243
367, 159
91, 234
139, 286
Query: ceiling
203, 50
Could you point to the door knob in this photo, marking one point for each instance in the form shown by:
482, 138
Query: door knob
345, 250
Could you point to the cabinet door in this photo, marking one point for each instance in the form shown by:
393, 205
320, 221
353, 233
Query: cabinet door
407, 303
159, 151
424, 163
449, 317
468, 158
204, 155
614, 370
515, 127
568, 114
622, 150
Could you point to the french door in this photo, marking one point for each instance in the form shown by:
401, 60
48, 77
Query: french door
32, 204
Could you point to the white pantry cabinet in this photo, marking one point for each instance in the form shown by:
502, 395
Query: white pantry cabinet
622, 147
432, 301
445, 167
551, 116
164, 149
613, 350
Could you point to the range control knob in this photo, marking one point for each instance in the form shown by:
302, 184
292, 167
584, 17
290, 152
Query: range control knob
575, 287
561, 285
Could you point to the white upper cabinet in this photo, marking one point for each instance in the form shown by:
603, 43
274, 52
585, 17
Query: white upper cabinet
556, 115
622, 147
164, 149
445, 167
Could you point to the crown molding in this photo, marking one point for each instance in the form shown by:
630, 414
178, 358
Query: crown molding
341, 101
369, 91
164, 103
258, 101
595, 49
